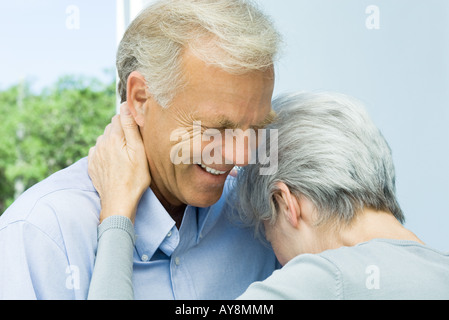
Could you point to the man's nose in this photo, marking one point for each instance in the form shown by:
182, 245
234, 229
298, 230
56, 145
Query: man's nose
239, 147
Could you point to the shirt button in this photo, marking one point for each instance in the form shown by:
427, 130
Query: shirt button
169, 234
144, 257
177, 261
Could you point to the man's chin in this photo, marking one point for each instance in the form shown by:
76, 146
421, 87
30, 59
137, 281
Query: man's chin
205, 199
203, 189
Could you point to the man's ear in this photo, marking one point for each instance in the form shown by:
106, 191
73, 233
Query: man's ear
287, 204
137, 96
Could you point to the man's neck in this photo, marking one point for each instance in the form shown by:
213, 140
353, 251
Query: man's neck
174, 208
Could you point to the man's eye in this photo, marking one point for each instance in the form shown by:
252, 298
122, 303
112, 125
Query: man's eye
212, 131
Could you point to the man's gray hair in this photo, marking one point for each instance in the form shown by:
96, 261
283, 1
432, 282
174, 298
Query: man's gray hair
330, 152
231, 34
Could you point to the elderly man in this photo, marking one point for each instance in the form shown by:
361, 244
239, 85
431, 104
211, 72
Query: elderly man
180, 62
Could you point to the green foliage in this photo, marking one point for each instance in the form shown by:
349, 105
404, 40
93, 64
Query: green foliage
43, 133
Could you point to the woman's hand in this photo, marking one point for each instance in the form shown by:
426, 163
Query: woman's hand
118, 166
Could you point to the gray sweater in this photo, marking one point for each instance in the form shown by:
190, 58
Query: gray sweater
377, 269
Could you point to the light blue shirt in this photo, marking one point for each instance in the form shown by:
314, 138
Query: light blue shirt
48, 242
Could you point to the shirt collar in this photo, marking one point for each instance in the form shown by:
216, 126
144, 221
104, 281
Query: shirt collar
208, 217
155, 229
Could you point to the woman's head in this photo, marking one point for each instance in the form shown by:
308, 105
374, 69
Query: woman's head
329, 153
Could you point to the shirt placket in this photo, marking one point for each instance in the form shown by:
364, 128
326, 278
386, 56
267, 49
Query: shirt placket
182, 283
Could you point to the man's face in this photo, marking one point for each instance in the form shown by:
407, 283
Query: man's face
217, 99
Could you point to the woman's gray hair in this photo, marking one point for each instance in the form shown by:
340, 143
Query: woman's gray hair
232, 34
330, 152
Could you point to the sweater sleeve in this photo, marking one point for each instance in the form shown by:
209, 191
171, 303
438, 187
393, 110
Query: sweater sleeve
306, 277
112, 275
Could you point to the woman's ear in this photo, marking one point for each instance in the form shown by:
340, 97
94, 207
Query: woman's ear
287, 204
137, 96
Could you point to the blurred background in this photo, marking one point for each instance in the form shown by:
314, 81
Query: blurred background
57, 84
